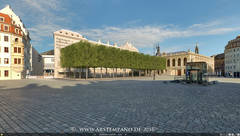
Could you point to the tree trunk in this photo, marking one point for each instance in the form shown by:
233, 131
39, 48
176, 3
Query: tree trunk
80, 73
139, 73
154, 74
106, 72
113, 72
101, 72
125, 72
132, 73
116, 73
86, 72
94, 72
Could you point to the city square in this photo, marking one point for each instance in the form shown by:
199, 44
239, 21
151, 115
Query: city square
119, 67
57, 106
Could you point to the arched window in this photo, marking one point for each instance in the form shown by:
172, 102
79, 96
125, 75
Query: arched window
179, 62
16, 39
173, 62
168, 63
185, 61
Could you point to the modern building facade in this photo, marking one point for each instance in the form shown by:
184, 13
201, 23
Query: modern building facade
176, 61
16, 50
63, 38
232, 58
219, 64
48, 63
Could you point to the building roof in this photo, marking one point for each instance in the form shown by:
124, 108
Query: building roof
9, 11
219, 56
51, 52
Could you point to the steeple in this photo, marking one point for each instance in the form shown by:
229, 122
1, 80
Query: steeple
158, 51
196, 49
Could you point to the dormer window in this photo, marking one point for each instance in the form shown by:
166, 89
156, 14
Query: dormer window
17, 31
66, 33
60, 31
1, 19
6, 28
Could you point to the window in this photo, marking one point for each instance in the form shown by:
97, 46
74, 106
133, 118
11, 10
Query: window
168, 63
6, 28
6, 49
15, 61
1, 19
179, 62
16, 39
6, 61
6, 73
19, 50
16, 30
185, 61
6, 38
0, 61
19, 61
173, 62
15, 49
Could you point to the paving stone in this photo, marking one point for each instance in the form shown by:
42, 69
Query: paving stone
39, 107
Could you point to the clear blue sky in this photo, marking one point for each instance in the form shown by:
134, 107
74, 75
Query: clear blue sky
175, 25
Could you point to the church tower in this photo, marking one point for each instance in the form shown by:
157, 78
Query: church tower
158, 51
196, 49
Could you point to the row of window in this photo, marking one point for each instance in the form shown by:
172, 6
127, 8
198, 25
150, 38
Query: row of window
230, 67
6, 73
6, 39
16, 50
6, 29
174, 62
16, 61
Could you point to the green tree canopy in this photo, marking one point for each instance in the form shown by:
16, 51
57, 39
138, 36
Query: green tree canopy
85, 54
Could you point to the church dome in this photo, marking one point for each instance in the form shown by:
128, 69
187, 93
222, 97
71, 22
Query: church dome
238, 37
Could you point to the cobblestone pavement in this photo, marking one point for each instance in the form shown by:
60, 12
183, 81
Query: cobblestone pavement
42, 106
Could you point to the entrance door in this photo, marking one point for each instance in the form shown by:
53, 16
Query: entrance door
179, 72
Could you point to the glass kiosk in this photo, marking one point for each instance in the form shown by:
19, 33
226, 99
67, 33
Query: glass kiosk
196, 72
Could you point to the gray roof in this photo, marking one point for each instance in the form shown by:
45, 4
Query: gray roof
51, 52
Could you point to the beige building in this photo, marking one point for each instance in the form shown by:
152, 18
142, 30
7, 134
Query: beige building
63, 38
232, 58
176, 61
17, 55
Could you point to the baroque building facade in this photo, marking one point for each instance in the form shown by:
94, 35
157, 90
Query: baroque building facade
232, 58
64, 38
176, 61
219, 64
16, 51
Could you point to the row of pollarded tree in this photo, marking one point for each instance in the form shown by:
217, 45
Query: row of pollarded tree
87, 55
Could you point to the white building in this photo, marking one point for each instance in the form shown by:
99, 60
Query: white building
48, 61
232, 58
29, 54
63, 38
